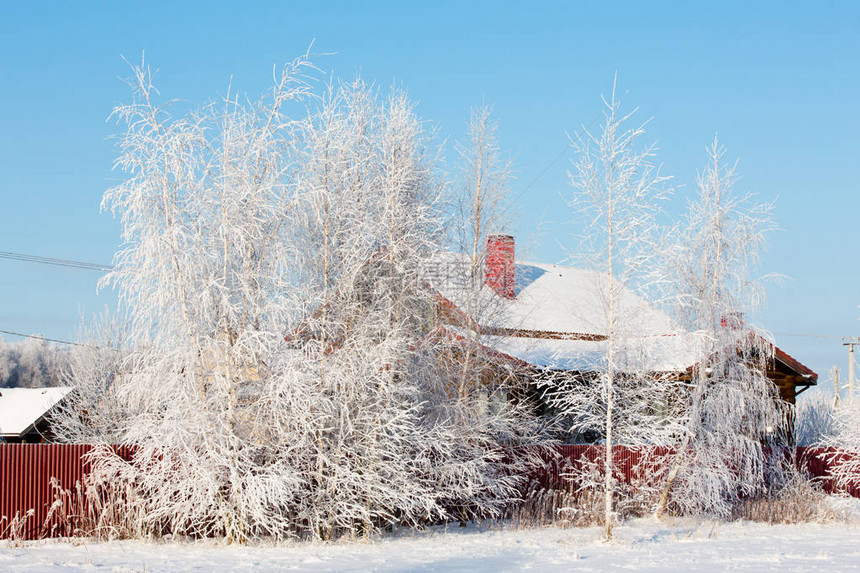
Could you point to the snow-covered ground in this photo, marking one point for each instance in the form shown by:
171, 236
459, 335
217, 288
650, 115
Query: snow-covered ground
640, 545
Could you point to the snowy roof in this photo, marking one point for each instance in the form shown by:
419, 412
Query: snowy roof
22, 408
552, 298
557, 320
657, 353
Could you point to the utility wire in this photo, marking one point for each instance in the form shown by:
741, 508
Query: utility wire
541, 174
54, 261
36, 336
808, 335
551, 163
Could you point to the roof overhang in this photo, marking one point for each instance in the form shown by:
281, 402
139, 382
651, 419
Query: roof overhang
22, 409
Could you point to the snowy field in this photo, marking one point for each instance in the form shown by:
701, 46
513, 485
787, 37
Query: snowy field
641, 545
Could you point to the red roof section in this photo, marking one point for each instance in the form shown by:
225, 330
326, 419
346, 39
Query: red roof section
794, 364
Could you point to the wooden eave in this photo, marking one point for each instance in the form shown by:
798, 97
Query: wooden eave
807, 376
450, 312
786, 372
501, 356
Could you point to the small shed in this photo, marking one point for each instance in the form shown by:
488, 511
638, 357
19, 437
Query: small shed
24, 413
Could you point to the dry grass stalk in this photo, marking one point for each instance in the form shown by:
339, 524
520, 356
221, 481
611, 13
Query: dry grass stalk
799, 500
94, 509
15, 529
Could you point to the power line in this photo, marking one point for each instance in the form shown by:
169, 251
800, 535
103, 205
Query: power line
551, 163
36, 336
54, 261
541, 174
808, 335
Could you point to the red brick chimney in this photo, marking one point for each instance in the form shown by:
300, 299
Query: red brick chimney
732, 320
499, 264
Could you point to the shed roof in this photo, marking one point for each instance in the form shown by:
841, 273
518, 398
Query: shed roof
22, 408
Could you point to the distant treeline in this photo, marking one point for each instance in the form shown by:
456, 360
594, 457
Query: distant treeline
32, 363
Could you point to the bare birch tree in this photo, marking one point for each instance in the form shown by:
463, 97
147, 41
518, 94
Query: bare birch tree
483, 189
617, 191
732, 409
490, 404
94, 412
482, 202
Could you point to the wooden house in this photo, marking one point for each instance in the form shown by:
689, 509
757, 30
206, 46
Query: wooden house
536, 321
549, 319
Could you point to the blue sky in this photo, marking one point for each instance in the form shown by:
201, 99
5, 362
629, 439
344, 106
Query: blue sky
778, 81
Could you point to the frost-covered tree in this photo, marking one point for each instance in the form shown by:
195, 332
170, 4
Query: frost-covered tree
482, 203
371, 179
491, 404
284, 374
94, 412
814, 419
839, 427
844, 437
206, 272
367, 180
731, 408
31, 363
617, 193
483, 191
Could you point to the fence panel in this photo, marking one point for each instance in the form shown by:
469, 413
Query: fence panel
561, 460
817, 462
26, 493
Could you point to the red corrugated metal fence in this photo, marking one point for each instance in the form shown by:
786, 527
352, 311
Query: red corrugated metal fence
26, 489
561, 461
25, 483
817, 461
26, 470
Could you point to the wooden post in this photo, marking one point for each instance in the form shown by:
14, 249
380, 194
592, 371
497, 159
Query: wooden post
835, 372
851, 343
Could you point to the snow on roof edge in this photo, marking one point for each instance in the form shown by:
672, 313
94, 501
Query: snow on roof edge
23, 408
